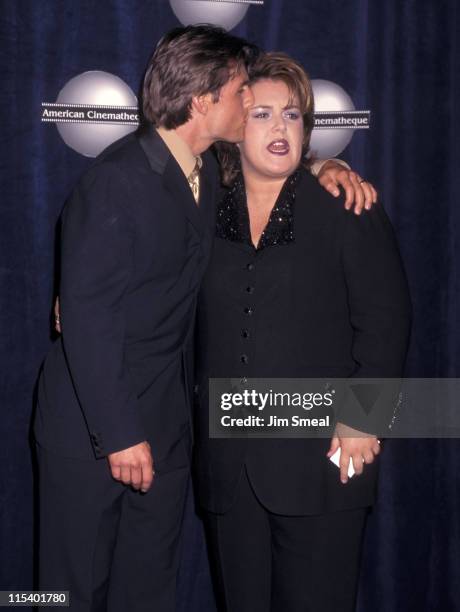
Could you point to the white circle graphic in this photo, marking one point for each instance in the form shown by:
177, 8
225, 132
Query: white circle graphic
99, 88
329, 96
224, 14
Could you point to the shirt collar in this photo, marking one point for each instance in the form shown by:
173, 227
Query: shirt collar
180, 151
233, 216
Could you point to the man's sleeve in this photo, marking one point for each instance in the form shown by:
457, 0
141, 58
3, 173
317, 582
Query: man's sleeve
316, 166
380, 314
97, 260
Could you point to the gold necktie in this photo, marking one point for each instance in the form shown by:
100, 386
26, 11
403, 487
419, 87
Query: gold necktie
194, 179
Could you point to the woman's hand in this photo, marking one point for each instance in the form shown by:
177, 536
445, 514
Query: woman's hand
357, 445
358, 191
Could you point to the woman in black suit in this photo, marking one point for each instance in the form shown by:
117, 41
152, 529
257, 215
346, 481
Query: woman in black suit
297, 287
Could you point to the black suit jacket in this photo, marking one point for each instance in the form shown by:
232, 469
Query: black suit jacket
134, 250
325, 296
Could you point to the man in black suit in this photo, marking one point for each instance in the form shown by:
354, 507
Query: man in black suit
136, 236
136, 239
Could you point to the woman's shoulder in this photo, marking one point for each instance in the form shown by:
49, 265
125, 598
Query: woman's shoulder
310, 190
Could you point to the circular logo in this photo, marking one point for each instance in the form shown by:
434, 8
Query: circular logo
92, 107
335, 119
226, 14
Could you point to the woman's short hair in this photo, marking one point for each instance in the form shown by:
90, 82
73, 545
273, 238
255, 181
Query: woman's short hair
190, 61
277, 67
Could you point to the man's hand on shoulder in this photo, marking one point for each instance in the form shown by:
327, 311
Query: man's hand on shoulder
359, 192
133, 466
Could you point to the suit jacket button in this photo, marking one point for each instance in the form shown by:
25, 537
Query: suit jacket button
250, 267
245, 333
248, 310
244, 358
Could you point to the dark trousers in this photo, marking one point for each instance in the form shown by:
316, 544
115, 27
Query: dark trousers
113, 548
265, 562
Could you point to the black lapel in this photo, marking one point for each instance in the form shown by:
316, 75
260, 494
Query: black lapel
162, 162
208, 189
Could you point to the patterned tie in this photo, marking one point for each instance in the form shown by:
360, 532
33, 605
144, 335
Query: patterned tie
194, 179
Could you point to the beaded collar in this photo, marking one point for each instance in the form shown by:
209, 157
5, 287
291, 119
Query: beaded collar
233, 217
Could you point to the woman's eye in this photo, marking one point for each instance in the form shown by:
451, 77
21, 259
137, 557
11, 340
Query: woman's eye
261, 115
293, 115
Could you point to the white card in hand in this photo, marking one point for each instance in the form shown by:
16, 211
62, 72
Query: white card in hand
336, 460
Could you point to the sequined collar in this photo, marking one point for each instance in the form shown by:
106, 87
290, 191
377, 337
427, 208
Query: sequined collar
233, 217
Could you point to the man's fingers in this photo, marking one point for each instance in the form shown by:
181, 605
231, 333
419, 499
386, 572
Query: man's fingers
136, 477
370, 195
133, 466
125, 474
358, 192
345, 182
116, 472
375, 195
148, 474
330, 186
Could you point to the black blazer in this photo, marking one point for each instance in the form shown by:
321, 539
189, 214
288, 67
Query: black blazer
134, 250
325, 294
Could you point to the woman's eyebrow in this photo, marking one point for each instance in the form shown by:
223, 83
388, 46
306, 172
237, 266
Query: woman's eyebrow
265, 106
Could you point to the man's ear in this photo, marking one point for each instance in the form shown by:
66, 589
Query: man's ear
200, 104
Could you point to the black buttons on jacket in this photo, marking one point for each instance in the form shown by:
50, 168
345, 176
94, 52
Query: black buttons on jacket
248, 310
244, 380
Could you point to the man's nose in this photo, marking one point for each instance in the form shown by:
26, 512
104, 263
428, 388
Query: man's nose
248, 100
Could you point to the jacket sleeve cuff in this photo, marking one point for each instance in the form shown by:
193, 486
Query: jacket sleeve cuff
316, 166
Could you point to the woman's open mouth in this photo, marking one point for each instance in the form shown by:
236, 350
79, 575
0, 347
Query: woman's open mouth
279, 147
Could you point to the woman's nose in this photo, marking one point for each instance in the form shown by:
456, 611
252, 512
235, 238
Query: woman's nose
279, 124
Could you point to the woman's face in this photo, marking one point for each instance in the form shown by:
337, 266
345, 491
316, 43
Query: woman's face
273, 137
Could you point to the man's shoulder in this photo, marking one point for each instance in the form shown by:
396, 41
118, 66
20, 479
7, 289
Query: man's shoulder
122, 162
125, 152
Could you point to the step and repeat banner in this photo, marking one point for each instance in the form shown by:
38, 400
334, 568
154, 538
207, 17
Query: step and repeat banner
95, 108
385, 81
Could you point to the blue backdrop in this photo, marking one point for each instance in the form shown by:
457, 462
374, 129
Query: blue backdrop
401, 59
